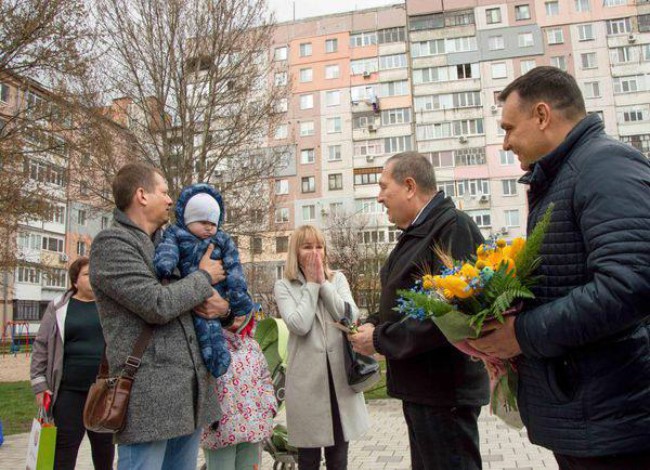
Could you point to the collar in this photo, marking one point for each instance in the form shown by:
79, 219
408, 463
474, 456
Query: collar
434, 210
121, 217
428, 207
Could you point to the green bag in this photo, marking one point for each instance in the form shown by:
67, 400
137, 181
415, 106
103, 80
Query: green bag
41, 445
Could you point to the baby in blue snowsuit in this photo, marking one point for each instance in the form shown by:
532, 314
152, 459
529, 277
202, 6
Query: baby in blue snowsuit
199, 214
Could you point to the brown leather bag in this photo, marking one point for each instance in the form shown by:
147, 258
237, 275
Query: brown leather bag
108, 397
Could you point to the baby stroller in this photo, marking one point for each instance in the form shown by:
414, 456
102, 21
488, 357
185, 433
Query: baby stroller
273, 337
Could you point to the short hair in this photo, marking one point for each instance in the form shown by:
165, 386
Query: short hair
131, 177
74, 270
298, 237
413, 165
551, 85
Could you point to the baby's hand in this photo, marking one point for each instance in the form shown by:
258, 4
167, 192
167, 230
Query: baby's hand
239, 321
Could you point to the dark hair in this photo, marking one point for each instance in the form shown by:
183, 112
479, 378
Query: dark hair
413, 165
551, 85
74, 270
131, 177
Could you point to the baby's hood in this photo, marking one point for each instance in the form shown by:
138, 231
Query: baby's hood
187, 193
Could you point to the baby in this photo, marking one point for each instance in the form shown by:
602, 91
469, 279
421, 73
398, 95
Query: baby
199, 214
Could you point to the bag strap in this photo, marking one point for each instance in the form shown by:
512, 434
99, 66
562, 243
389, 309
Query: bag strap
134, 360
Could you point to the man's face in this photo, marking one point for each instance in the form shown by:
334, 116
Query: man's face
159, 202
393, 196
524, 137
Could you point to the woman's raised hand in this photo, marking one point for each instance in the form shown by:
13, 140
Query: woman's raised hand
313, 268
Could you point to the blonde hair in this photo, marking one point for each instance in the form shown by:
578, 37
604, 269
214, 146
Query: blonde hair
299, 237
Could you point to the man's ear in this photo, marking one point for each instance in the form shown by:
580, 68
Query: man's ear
140, 197
411, 186
542, 113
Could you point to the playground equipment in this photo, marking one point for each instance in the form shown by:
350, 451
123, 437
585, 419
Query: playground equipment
13, 333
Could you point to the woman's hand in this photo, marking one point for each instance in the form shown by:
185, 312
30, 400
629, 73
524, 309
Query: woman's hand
40, 397
312, 268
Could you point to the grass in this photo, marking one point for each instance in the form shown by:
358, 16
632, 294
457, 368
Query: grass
378, 391
17, 407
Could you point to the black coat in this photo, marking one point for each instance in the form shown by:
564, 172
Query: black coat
422, 367
584, 386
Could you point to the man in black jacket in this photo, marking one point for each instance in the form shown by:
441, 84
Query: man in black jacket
441, 388
584, 368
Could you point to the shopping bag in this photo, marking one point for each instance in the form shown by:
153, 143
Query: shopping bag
42, 443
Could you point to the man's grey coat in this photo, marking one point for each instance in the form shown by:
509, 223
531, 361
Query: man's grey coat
173, 393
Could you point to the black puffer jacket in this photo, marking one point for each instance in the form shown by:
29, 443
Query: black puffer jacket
585, 371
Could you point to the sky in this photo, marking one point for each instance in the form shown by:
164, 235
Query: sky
305, 8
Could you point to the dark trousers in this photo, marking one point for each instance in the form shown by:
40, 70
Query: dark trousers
70, 430
443, 438
636, 461
336, 456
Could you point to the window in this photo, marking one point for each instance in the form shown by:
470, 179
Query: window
512, 218
506, 157
394, 61
280, 79
280, 53
306, 75
305, 49
527, 66
614, 3
555, 36
592, 90
369, 148
281, 187
623, 55
371, 236
446, 73
282, 215
335, 181
333, 153
363, 39
626, 84
582, 5
448, 187
522, 12
281, 105
81, 248
473, 187
395, 116
4, 92
56, 214
559, 62
332, 71
81, 217
281, 132
331, 45
393, 235
552, 8
396, 88
364, 66
279, 271
493, 15
619, 26
30, 241
367, 178
369, 205
105, 222
306, 128
428, 48
397, 144
333, 98
499, 70
308, 184
482, 218
462, 44
256, 245
509, 187
588, 60
391, 35
333, 125
336, 208
306, 101
308, 213
495, 43
635, 115
52, 244
57, 277
643, 22
281, 244
525, 40
586, 32
307, 156
29, 275
469, 157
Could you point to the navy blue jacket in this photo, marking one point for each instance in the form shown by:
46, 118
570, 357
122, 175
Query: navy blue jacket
584, 387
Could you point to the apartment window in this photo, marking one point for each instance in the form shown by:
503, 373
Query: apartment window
364, 66
57, 277
308, 184
333, 125
462, 44
527, 66
363, 39
281, 244
29, 275
555, 36
281, 187
475, 187
105, 222
469, 157
499, 70
396, 116
592, 90
331, 45
281, 105
30, 241
588, 60
369, 148
614, 3
333, 153
643, 22
369, 205
634, 115
336, 208
522, 12
81, 248
4, 92
512, 218
281, 53
446, 73
509, 187
626, 84
335, 181
496, 43
552, 8
307, 156
396, 88
306, 101
398, 144
332, 71
443, 159
56, 214
619, 26
308, 213
306, 75
582, 5
279, 271
52, 244
281, 132
333, 98
428, 48
482, 218
389, 35
393, 61
623, 55
306, 128
645, 49
586, 32
366, 178
559, 62
305, 49
282, 215
256, 245
493, 15
506, 157
81, 217
525, 40
280, 79
448, 187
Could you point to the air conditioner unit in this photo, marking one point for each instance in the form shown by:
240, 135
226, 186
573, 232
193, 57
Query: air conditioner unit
372, 128
218, 173
504, 230
631, 38
462, 139
484, 198
370, 158
63, 258
494, 108
366, 74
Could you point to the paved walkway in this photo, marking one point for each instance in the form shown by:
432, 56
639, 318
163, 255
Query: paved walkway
384, 447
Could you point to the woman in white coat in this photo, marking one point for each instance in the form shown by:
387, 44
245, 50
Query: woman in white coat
322, 409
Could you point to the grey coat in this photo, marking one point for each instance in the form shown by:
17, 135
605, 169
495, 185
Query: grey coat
172, 394
308, 309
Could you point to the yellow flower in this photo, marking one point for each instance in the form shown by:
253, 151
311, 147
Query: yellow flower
469, 271
482, 252
510, 265
427, 282
516, 246
448, 295
501, 243
456, 286
480, 264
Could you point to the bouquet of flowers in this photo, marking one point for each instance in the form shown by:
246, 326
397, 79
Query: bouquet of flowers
467, 294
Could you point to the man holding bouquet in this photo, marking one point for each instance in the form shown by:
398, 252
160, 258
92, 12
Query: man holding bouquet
442, 389
582, 346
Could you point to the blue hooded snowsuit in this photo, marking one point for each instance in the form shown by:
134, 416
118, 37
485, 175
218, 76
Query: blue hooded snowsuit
180, 248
